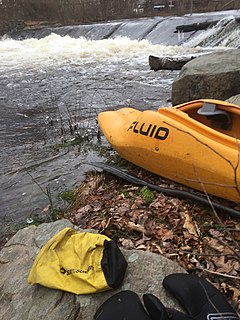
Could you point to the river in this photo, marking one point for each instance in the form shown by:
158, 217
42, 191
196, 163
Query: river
57, 80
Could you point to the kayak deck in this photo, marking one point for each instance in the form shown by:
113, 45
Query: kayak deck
181, 144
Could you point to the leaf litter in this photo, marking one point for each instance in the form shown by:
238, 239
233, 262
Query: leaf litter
202, 242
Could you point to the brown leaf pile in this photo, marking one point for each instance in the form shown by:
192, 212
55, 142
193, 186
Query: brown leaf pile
201, 241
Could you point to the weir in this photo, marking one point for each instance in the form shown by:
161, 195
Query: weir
157, 30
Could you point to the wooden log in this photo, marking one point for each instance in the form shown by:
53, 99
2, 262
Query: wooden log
167, 63
195, 26
199, 26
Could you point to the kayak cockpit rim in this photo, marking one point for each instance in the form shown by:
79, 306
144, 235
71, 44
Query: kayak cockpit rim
188, 115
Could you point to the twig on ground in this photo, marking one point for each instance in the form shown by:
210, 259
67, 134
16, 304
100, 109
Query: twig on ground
203, 254
222, 224
221, 274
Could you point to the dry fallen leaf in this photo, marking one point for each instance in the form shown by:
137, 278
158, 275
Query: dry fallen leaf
127, 243
236, 293
190, 225
163, 233
216, 245
222, 265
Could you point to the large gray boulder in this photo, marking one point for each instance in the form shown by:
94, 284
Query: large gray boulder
235, 99
20, 301
213, 76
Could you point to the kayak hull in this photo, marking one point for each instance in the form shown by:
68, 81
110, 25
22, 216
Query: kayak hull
172, 143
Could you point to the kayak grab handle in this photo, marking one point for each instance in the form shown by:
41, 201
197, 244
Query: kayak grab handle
219, 118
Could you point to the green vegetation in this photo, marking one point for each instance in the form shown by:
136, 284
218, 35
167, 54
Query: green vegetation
67, 195
147, 195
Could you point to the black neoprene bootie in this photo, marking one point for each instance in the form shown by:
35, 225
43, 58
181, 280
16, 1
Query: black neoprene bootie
200, 299
124, 305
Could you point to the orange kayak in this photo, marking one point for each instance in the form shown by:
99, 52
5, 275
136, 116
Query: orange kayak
196, 143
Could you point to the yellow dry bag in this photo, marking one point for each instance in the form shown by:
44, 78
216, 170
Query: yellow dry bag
80, 263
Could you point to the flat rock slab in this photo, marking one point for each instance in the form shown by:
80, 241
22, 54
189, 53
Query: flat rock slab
19, 300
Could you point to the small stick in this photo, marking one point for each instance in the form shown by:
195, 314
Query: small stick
221, 274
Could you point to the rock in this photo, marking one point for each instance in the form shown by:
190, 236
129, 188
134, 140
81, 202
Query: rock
213, 76
235, 99
168, 63
19, 300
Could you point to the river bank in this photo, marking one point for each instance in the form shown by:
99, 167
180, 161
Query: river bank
44, 83
197, 239
55, 80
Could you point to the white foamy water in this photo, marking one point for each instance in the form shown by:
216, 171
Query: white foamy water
225, 34
55, 51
